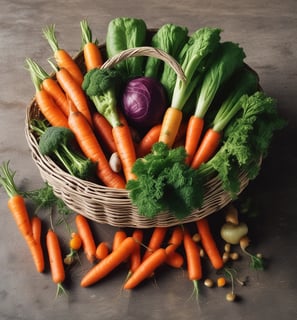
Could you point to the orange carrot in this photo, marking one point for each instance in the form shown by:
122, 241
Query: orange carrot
135, 258
193, 257
146, 268
194, 130
18, 209
207, 147
103, 129
118, 238
108, 264
156, 240
45, 102
85, 233
36, 252
170, 125
50, 85
152, 136
92, 54
55, 260
209, 244
176, 237
145, 145
50, 110
125, 148
91, 148
175, 259
102, 250
36, 226
74, 92
62, 57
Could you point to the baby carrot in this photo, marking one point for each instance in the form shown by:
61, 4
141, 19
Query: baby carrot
209, 244
207, 147
85, 233
36, 226
135, 258
175, 260
156, 240
145, 145
108, 264
194, 131
146, 268
102, 250
56, 260
193, 257
118, 238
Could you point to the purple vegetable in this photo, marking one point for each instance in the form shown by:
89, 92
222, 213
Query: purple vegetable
144, 102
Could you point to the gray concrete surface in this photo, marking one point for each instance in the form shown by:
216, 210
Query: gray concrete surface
267, 31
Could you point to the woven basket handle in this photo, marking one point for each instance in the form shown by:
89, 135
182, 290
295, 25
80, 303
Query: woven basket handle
149, 52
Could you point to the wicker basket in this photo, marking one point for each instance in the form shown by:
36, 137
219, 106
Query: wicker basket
113, 206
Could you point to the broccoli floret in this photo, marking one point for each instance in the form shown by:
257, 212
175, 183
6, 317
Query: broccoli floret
102, 85
56, 141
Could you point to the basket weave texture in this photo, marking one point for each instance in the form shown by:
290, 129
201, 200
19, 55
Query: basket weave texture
113, 206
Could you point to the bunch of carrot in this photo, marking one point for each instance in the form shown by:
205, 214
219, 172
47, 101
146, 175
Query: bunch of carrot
144, 259
63, 102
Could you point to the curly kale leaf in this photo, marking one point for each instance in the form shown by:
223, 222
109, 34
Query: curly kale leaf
165, 183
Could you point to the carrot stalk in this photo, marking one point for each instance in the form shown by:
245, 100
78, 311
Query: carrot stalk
85, 233
18, 209
62, 57
56, 260
146, 268
105, 266
208, 243
92, 55
91, 148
